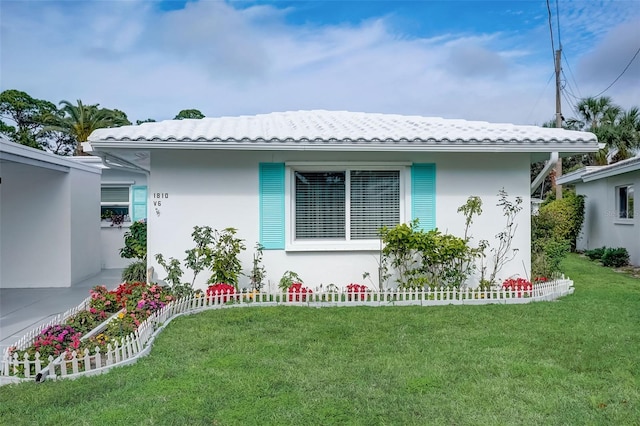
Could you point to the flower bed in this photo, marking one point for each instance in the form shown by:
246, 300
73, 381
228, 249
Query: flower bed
87, 329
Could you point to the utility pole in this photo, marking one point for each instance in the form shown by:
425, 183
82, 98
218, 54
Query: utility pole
558, 168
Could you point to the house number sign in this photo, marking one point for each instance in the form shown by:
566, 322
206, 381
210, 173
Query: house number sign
158, 198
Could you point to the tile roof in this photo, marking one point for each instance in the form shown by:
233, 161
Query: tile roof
340, 128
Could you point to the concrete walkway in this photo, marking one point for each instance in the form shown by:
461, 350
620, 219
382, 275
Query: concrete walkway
23, 309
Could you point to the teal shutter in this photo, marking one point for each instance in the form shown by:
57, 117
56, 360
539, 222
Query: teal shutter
271, 189
138, 203
423, 195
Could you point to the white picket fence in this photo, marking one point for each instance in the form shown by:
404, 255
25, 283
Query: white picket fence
138, 344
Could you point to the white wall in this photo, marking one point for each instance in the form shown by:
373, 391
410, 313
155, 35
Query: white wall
601, 225
219, 189
84, 224
35, 242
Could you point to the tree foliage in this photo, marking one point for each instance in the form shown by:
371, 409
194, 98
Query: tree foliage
618, 129
189, 113
80, 120
25, 118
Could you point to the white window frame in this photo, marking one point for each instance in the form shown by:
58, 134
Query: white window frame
626, 219
128, 205
291, 244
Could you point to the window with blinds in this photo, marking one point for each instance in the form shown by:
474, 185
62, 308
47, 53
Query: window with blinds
114, 200
346, 205
375, 202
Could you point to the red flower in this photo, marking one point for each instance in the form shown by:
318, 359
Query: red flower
518, 284
297, 291
221, 289
357, 289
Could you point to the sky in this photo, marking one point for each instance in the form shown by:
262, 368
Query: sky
473, 60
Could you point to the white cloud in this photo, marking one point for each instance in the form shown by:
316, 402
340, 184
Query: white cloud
224, 61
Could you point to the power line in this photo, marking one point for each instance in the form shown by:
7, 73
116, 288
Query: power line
575, 83
623, 71
553, 49
558, 20
540, 95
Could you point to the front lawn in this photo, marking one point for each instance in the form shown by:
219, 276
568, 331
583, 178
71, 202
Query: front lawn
573, 361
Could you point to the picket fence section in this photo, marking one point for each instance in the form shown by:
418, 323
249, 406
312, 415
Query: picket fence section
28, 339
137, 344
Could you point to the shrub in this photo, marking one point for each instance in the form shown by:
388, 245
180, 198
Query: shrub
135, 272
546, 257
288, 279
615, 257
595, 254
425, 258
135, 241
561, 219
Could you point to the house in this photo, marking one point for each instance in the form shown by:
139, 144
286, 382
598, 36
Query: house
49, 218
123, 197
611, 216
314, 187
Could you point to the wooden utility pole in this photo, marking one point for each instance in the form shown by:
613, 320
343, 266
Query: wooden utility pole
558, 168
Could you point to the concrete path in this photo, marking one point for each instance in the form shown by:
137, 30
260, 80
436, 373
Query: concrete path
23, 309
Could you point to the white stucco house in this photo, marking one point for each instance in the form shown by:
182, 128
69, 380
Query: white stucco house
49, 218
313, 187
612, 217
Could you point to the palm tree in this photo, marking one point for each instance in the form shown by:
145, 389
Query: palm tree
614, 127
593, 111
80, 120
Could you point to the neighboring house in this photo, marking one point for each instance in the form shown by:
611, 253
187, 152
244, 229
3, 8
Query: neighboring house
314, 187
123, 195
49, 218
611, 212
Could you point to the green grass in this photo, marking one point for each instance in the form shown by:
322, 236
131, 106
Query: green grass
571, 362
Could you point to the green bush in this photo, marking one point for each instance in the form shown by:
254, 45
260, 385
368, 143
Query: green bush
546, 257
615, 257
561, 219
425, 259
135, 241
595, 254
135, 272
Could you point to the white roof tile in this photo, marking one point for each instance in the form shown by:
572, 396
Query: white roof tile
339, 127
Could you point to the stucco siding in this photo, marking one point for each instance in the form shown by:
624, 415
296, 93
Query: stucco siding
602, 227
84, 217
220, 189
35, 244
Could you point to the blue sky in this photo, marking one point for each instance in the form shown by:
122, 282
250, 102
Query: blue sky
475, 60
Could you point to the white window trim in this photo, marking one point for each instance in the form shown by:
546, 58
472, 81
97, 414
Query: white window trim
340, 245
623, 220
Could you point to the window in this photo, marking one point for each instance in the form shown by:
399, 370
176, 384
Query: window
127, 202
114, 201
345, 205
341, 207
625, 201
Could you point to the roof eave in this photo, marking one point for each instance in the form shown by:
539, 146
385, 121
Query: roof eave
613, 171
386, 146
